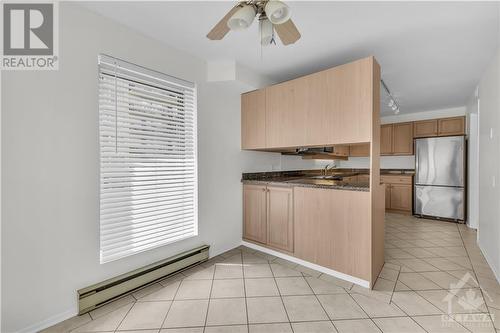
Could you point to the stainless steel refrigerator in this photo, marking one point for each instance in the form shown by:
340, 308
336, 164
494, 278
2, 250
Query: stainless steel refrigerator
440, 177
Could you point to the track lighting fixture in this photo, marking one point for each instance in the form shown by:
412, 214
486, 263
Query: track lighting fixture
393, 104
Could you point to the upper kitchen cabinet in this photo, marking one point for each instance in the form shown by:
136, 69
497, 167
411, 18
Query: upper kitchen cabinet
396, 139
349, 99
451, 126
334, 106
284, 120
386, 139
360, 150
425, 128
253, 119
402, 139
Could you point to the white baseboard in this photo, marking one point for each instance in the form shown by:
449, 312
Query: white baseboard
489, 261
56, 319
324, 270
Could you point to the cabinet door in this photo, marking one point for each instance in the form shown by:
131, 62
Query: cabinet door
284, 120
341, 150
361, 150
387, 196
401, 197
402, 139
311, 99
451, 126
254, 213
280, 218
425, 128
386, 139
253, 120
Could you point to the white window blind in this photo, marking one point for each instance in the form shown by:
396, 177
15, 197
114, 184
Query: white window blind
148, 166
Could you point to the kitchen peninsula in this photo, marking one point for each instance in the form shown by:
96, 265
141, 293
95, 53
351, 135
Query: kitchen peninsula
334, 225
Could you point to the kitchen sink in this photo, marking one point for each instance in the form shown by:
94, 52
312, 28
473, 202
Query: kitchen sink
327, 177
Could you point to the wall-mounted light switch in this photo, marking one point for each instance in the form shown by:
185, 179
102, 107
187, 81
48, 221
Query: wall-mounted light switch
493, 181
491, 133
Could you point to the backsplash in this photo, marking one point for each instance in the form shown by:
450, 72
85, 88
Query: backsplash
386, 162
276, 162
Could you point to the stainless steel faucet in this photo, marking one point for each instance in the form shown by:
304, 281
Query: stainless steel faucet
328, 167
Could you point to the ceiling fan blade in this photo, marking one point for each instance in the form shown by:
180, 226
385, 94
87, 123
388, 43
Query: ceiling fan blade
288, 32
221, 29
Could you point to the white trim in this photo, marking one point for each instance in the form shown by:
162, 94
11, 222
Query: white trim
492, 267
324, 270
51, 321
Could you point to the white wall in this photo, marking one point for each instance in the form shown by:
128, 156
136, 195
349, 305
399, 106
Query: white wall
473, 162
50, 170
423, 115
489, 164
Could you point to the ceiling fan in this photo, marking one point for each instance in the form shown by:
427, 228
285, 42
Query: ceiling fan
273, 16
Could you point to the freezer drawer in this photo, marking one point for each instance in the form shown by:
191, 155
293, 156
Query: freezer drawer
438, 201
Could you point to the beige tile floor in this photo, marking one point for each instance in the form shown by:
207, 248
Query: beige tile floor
435, 280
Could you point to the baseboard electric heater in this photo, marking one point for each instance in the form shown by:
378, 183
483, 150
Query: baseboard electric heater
102, 293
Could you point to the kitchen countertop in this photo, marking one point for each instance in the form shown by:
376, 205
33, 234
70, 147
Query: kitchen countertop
313, 178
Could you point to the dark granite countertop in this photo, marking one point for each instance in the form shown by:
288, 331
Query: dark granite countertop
314, 178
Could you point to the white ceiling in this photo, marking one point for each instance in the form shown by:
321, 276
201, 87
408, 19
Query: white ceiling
432, 54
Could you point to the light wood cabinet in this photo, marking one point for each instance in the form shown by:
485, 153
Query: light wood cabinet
425, 128
268, 215
280, 217
386, 139
451, 126
401, 197
341, 150
253, 119
361, 150
255, 213
332, 229
402, 139
396, 139
387, 196
363, 178
398, 193
330, 107
284, 118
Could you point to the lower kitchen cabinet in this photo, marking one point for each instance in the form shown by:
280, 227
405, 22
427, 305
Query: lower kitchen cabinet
332, 229
280, 218
387, 196
255, 213
268, 216
398, 193
401, 197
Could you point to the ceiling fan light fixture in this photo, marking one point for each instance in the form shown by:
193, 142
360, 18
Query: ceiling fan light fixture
266, 32
277, 12
243, 18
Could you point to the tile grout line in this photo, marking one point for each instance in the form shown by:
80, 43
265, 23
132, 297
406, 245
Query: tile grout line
321, 304
210, 293
121, 321
172, 303
281, 297
366, 313
245, 291
478, 283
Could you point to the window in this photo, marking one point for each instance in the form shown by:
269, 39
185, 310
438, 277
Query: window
148, 166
